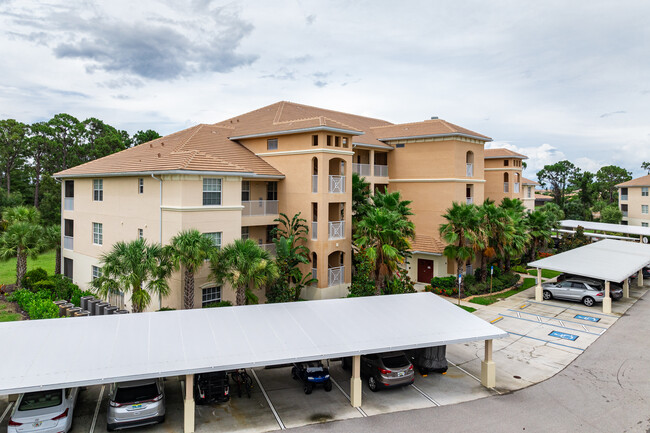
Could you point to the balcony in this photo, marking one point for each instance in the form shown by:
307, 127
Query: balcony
469, 171
516, 188
314, 230
268, 247
68, 203
68, 242
506, 187
361, 169
259, 208
381, 171
336, 230
314, 183
335, 276
337, 184
470, 200
314, 273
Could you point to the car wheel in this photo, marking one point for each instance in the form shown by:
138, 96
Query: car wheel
588, 301
372, 384
308, 388
293, 373
547, 295
328, 386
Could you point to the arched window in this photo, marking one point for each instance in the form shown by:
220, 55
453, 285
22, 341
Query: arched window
469, 162
505, 177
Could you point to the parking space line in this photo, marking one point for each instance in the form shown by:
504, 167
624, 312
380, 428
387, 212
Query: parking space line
576, 309
425, 395
550, 324
4, 414
268, 400
545, 341
361, 411
471, 375
99, 402
555, 318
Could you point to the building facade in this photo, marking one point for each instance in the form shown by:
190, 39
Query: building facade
634, 201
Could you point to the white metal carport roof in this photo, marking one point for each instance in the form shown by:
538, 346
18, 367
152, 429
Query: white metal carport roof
608, 260
616, 228
45, 354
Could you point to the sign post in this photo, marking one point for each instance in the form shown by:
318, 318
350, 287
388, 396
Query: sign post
460, 280
491, 274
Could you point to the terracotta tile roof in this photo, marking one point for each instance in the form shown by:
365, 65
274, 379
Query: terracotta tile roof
427, 244
502, 153
639, 181
525, 181
422, 129
199, 148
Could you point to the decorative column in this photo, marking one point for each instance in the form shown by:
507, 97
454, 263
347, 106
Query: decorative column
626, 288
488, 368
538, 287
372, 172
607, 302
355, 382
639, 278
188, 424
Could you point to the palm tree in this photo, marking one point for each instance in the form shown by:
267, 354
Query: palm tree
360, 198
393, 201
491, 233
20, 240
384, 234
540, 229
460, 232
189, 249
244, 265
136, 267
52, 238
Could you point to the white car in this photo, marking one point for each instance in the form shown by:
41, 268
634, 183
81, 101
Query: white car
43, 411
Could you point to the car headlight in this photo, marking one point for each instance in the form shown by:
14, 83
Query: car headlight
310, 377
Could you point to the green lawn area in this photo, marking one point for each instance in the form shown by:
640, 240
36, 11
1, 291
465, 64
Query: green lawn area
468, 309
8, 268
487, 300
8, 316
546, 273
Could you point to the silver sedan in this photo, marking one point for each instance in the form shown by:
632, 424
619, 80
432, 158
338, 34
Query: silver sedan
587, 292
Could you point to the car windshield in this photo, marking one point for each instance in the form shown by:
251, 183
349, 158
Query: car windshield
314, 369
41, 400
395, 361
136, 393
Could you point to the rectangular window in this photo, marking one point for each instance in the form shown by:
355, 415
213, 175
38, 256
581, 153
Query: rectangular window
140, 233
245, 190
337, 141
644, 191
644, 224
210, 295
98, 234
98, 189
271, 190
329, 140
68, 228
314, 140
140, 186
345, 142
211, 191
67, 268
505, 162
96, 272
216, 238
245, 233
399, 145
269, 234
644, 208
272, 144
623, 223
69, 188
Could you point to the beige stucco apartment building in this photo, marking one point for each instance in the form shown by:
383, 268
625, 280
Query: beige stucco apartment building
233, 178
634, 201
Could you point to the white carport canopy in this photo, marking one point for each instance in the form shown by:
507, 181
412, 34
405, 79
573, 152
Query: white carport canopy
615, 228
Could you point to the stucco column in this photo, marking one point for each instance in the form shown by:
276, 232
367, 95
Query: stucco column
639, 278
488, 368
607, 302
626, 288
355, 382
188, 424
538, 287
372, 171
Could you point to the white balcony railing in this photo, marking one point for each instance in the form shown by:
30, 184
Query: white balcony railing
314, 230
268, 247
314, 273
337, 184
68, 242
516, 188
470, 200
68, 203
623, 196
506, 187
361, 169
260, 207
624, 212
314, 183
336, 230
335, 276
470, 170
381, 170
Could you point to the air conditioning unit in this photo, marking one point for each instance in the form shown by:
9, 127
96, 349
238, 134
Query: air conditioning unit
90, 305
71, 312
99, 308
121, 312
63, 308
84, 301
110, 310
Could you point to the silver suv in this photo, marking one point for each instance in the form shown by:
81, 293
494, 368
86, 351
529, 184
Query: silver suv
137, 403
384, 370
580, 290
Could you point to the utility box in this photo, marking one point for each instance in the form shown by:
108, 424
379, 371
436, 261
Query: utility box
99, 308
82, 313
91, 305
84, 302
63, 308
110, 310
121, 312
72, 311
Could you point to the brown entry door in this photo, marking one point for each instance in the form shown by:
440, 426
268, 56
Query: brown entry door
425, 271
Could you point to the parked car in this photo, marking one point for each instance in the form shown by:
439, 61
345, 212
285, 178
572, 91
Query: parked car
137, 403
312, 374
429, 359
385, 370
646, 273
579, 290
211, 387
613, 286
43, 411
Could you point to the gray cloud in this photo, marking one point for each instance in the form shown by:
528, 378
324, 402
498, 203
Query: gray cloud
612, 113
320, 83
310, 19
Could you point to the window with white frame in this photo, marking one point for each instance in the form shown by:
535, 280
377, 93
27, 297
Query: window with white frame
216, 238
644, 208
245, 233
272, 144
140, 186
210, 295
245, 190
644, 191
211, 191
98, 234
140, 233
96, 272
98, 189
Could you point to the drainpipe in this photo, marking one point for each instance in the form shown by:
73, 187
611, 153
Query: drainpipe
160, 226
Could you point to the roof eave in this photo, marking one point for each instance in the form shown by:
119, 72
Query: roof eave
161, 172
374, 146
454, 134
298, 131
506, 157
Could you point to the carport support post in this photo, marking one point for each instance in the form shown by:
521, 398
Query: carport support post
626, 288
639, 278
188, 425
488, 368
607, 302
538, 287
355, 383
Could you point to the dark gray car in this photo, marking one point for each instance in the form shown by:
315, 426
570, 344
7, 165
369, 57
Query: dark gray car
385, 370
579, 290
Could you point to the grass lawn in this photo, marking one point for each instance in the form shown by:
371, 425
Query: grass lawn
8, 268
468, 309
487, 300
6, 315
546, 273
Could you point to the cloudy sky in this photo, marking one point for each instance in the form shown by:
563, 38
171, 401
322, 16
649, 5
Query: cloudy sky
553, 79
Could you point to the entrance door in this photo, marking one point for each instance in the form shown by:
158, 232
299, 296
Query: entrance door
425, 271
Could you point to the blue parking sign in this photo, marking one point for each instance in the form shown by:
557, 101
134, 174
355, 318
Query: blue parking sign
563, 335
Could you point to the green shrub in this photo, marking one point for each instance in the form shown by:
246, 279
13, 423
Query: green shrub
63, 287
519, 269
218, 304
167, 309
399, 283
21, 297
42, 309
470, 279
45, 286
468, 309
362, 283
32, 277
444, 282
476, 288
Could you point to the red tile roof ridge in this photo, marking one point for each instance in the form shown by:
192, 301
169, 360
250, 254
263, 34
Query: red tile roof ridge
182, 144
322, 119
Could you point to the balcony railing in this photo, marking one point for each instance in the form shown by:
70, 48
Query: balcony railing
68, 203
361, 169
623, 196
470, 200
260, 207
381, 170
314, 273
506, 187
336, 230
268, 247
314, 230
335, 276
314, 183
337, 184
68, 242
516, 188
470, 170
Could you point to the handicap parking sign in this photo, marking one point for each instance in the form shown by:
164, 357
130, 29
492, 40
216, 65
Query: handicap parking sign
563, 335
587, 318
